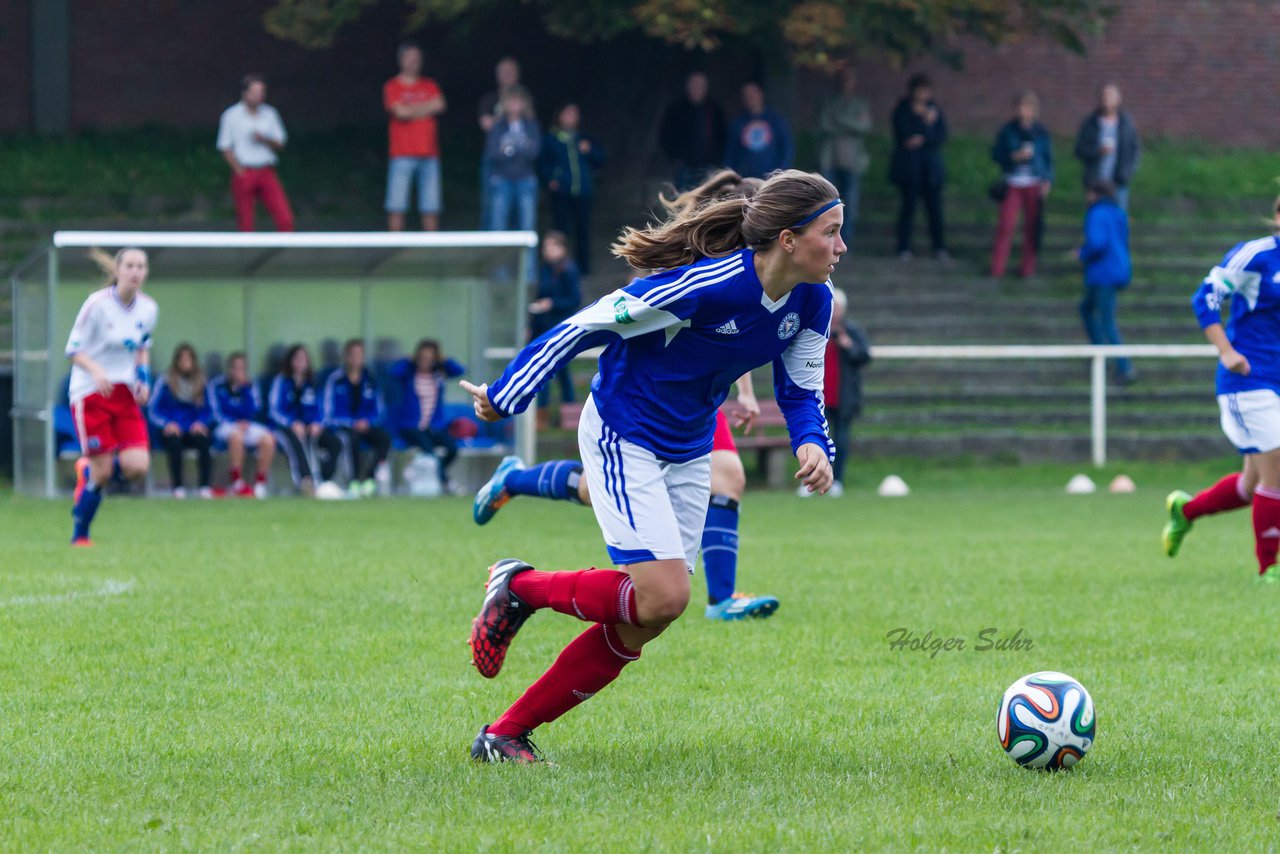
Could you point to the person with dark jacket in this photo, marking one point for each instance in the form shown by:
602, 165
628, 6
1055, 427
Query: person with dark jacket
1024, 151
419, 418
568, 164
293, 408
353, 413
1107, 270
759, 140
511, 158
916, 167
692, 133
1107, 145
559, 296
848, 352
179, 409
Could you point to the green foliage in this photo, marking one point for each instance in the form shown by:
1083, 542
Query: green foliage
815, 33
288, 675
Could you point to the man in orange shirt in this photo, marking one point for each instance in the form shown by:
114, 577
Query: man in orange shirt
413, 102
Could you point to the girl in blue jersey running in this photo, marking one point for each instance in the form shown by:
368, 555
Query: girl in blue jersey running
1247, 285
743, 282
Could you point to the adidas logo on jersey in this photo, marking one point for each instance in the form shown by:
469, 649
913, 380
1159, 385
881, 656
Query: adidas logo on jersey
729, 328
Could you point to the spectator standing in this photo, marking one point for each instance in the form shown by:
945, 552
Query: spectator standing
1024, 151
179, 409
250, 136
692, 133
844, 122
559, 296
511, 152
413, 102
1108, 146
294, 409
759, 139
568, 163
352, 412
507, 75
848, 352
1107, 270
919, 132
237, 406
420, 416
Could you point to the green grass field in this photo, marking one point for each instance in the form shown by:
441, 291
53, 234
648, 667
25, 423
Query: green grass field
292, 675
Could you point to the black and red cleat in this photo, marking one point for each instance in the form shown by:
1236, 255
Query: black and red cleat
500, 617
504, 748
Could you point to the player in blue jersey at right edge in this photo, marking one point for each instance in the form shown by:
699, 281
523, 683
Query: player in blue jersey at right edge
1248, 388
760, 265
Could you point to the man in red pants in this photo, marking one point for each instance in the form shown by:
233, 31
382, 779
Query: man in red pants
250, 134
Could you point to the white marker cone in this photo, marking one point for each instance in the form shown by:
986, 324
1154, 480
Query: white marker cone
893, 487
1081, 485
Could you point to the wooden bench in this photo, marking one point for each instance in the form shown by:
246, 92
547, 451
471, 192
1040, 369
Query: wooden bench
768, 438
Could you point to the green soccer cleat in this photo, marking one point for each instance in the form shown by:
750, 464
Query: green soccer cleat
1270, 576
1178, 524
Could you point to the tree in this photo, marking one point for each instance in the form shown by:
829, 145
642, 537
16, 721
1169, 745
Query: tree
815, 33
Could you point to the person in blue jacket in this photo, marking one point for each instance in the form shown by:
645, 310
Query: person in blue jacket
179, 409
352, 412
1107, 269
759, 140
559, 296
237, 407
419, 419
293, 408
568, 163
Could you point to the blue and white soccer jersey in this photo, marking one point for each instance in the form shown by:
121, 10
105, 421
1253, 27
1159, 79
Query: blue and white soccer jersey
675, 342
648, 509
1247, 282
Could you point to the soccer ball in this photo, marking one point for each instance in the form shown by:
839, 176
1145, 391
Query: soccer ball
1046, 721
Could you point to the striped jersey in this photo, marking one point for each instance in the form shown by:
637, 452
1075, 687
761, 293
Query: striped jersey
111, 334
675, 342
1248, 283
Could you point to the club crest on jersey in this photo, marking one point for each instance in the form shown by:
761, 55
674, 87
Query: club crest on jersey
789, 326
622, 314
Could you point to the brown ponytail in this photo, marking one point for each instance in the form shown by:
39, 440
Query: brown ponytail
109, 264
726, 213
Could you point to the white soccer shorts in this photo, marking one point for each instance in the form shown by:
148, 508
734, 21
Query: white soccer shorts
648, 509
1251, 420
253, 434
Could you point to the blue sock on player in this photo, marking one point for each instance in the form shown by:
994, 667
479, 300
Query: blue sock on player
84, 510
557, 480
720, 548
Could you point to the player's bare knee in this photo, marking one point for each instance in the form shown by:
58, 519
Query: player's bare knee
663, 607
135, 468
727, 475
266, 443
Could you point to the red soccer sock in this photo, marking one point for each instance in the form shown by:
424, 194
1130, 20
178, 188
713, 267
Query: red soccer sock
260, 477
591, 661
234, 474
1266, 525
1226, 494
594, 595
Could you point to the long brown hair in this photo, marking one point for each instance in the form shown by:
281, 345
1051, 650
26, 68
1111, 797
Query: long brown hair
173, 376
704, 223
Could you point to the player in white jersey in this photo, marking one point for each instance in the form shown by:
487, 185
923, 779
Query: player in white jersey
109, 348
742, 282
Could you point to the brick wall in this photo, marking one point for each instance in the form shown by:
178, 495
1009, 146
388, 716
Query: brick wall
15, 65
1205, 69
1188, 68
